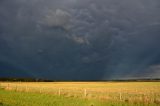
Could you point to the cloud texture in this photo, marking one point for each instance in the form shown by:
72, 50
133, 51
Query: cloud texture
80, 39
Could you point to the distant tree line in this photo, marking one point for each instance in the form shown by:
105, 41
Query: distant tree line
47, 80
24, 80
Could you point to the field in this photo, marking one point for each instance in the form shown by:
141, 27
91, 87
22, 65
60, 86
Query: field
80, 94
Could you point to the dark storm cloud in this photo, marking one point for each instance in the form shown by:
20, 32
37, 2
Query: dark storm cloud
80, 39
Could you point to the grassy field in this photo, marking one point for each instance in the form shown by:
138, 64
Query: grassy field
80, 94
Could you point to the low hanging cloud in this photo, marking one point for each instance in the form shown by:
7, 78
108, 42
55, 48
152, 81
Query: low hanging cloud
80, 39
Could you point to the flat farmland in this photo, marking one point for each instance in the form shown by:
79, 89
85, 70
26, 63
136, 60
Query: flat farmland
81, 93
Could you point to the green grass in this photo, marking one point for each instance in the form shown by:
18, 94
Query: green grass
12, 98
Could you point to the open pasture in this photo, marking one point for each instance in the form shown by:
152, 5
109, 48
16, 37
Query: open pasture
147, 93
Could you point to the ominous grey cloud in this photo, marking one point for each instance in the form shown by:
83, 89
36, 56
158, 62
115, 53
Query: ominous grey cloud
80, 39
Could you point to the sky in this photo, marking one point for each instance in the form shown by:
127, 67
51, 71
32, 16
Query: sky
80, 39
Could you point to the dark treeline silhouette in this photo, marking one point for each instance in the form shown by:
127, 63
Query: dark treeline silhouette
24, 80
47, 80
